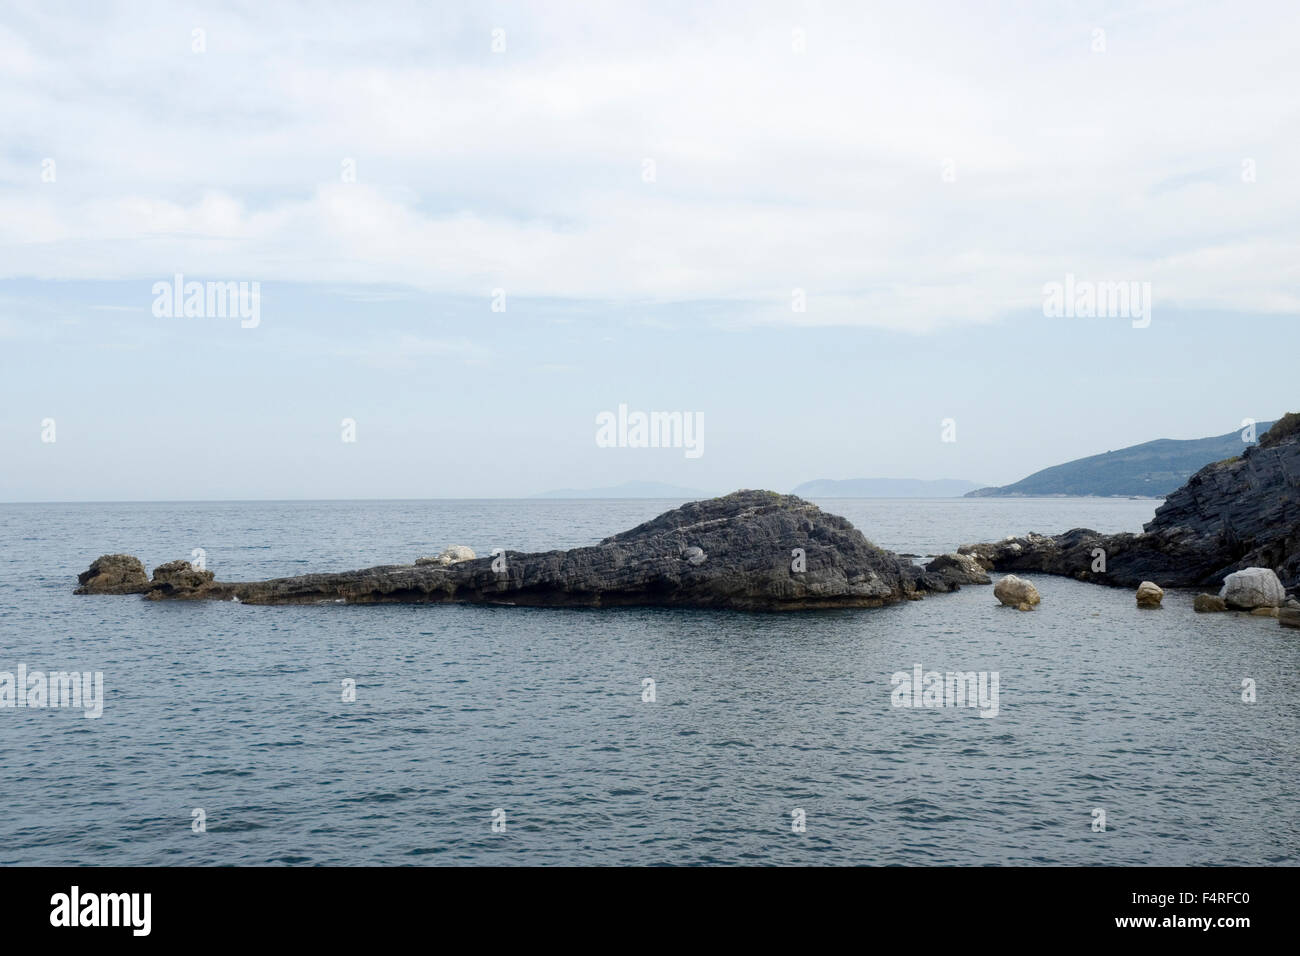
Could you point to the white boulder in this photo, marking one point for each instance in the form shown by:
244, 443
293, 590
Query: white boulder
1252, 588
1016, 592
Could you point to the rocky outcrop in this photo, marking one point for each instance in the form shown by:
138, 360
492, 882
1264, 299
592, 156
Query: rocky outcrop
453, 555
1252, 588
958, 569
1235, 514
1017, 593
113, 574
750, 550
1149, 594
178, 579
1209, 604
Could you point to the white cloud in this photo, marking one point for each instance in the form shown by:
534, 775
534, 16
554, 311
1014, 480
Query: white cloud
774, 170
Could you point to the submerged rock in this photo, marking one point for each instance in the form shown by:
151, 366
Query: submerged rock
1253, 588
1234, 514
113, 574
1149, 594
750, 550
1209, 604
1017, 593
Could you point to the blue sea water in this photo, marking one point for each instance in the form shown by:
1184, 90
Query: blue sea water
460, 711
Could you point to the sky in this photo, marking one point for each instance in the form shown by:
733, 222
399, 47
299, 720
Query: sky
823, 230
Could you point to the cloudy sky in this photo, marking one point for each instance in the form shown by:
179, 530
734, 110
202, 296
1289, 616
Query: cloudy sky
647, 186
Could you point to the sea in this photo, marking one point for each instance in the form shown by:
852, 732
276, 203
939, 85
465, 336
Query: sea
455, 735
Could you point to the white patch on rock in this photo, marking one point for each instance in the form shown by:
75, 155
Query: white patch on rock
453, 555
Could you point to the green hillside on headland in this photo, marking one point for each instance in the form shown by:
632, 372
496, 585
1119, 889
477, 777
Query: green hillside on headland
1152, 469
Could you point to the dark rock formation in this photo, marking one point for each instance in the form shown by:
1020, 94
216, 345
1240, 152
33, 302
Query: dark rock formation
1235, 514
958, 569
750, 550
178, 579
113, 574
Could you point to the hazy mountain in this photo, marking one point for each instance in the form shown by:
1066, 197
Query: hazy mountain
885, 488
629, 489
1154, 468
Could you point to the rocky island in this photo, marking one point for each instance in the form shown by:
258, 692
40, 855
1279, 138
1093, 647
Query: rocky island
1238, 514
749, 550
1235, 524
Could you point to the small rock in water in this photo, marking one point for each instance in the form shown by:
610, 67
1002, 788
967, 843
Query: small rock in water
1149, 594
1289, 617
1209, 604
1017, 593
1252, 588
1266, 612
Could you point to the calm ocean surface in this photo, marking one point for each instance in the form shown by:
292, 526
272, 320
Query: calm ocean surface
237, 710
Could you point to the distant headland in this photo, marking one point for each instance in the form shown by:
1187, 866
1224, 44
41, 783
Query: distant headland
1152, 469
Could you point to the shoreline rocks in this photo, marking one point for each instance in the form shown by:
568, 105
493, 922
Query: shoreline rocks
750, 550
1232, 515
